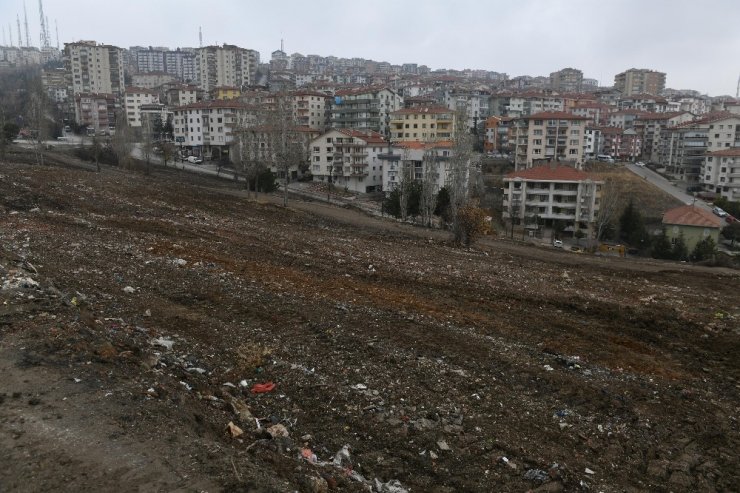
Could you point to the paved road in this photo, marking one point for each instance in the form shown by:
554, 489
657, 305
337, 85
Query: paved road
666, 185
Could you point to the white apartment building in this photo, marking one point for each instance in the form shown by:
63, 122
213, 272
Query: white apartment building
683, 148
365, 108
207, 128
226, 65
551, 192
312, 109
349, 159
406, 161
473, 104
135, 98
525, 104
548, 137
94, 68
721, 173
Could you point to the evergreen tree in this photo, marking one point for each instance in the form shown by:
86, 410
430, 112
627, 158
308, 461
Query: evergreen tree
679, 250
632, 227
704, 250
662, 247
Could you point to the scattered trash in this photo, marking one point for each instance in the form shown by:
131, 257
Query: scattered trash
562, 413
342, 458
308, 454
536, 475
360, 386
148, 313
549, 368
443, 445
180, 262
76, 380
186, 385
165, 343
234, 430
243, 384
261, 388
392, 486
278, 431
199, 371
432, 455
128, 290
589, 471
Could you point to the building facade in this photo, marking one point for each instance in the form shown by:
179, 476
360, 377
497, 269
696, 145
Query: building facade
720, 173
94, 68
226, 65
365, 108
96, 111
567, 80
423, 124
135, 98
639, 81
349, 159
549, 137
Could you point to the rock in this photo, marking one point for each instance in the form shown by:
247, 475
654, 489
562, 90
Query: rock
443, 445
233, 430
536, 475
657, 469
392, 486
278, 431
681, 480
589, 471
316, 485
129, 290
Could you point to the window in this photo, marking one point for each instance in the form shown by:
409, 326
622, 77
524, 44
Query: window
316, 149
573, 151
328, 139
328, 149
317, 158
537, 142
537, 151
538, 131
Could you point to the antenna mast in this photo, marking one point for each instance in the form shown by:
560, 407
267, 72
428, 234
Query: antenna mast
56, 28
44, 30
10, 34
200, 36
20, 40
25, 22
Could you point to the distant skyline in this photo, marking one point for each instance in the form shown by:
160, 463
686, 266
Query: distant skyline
695, 43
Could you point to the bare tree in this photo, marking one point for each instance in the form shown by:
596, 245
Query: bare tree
37, 118
405, 183
147, 146
168, 151
286, 148
122, 141
608, 207
430, 175
97, 149
458, 172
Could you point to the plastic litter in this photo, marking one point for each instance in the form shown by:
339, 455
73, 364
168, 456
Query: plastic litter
234, 430
128, 290
261, 388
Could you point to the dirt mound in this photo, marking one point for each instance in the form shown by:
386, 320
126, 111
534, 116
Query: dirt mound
162, 335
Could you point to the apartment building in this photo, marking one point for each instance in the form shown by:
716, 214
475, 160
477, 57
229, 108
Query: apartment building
549, 137
349, 158
566, 80
226, 65
207, 128
474, 104
720, 173
179, 63
683, 148
365, 108
225, 92
639, 81
55, 82
413, 160
597, 113
650, 125
593, 143
94, 68
643, 102
423, 123
151, 80
180, 95
549, 193
96, 111
312, 109
528, 103
135, 98
262, 143
621, 144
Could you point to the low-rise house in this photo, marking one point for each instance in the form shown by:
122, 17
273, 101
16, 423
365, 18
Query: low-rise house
693, 223
349, 159
544, 194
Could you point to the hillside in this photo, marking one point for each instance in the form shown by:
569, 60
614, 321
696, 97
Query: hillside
138, 313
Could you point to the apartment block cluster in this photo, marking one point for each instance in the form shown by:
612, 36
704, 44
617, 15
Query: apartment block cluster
564, 119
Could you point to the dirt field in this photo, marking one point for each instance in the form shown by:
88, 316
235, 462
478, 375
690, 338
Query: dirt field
137, 313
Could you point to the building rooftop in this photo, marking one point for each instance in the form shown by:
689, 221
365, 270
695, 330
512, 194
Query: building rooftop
418, 110
690, 215
554, 115
729, 152
550, 173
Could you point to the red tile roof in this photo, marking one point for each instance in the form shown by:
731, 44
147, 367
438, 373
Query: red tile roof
369, 136
550, 173
443, 144
690, 215
729, 152
661, 116
554, 115
134, 89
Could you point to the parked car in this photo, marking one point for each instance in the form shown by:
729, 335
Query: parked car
639, 163
730, 219
557, 243
718, 211
194, 160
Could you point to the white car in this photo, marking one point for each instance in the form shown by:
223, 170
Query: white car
718, 211
639, 163
194, 160
557, 244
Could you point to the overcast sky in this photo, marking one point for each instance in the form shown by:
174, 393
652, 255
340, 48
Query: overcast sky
697, 43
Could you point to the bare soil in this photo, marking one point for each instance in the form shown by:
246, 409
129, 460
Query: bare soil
138, 312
